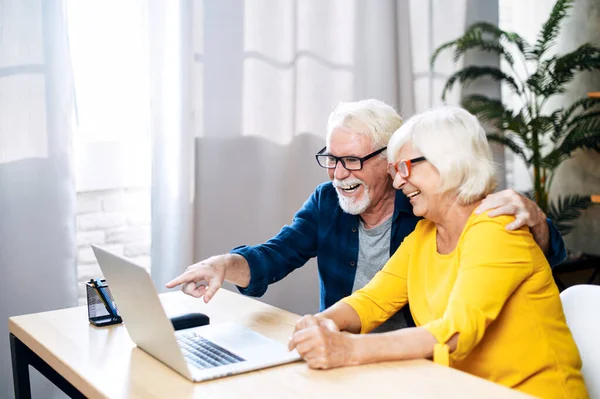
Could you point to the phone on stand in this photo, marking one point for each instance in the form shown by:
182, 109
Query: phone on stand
102, 310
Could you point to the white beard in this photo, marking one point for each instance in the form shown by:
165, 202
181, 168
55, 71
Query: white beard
349, 205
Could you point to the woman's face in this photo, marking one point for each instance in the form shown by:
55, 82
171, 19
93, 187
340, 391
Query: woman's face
421, 186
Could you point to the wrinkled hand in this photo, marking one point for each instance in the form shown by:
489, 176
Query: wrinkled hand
320, 342
202, 279
510, 202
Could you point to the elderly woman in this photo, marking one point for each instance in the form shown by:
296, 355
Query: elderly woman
483, 297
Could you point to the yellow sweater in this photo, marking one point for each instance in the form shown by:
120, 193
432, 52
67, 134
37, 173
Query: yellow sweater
496, 290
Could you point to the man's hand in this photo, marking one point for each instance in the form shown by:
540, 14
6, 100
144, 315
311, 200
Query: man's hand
203, 279
319, 341
526, 212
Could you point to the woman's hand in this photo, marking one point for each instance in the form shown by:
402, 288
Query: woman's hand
319, 341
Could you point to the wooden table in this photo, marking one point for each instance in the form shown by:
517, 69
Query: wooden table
87, 361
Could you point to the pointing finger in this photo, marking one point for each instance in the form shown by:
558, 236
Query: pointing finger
213, 285
185, 277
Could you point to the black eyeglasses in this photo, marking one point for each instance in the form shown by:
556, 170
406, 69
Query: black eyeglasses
329, 161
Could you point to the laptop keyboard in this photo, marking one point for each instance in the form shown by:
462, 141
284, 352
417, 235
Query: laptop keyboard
205, 354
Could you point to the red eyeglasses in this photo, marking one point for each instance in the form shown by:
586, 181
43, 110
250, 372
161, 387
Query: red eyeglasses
403, 167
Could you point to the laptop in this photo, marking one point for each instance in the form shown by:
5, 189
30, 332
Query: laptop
199, 353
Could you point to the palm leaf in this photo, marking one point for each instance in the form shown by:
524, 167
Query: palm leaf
471, 41
509, 142
483, 36
485, 108
564, 117
487, 46
553, 159
582, 138
543, 123
497, 33
493, 112
564, 211
557, 124
583, 133
466, 75
583, 118
541, 78
583, 103
561, 70
551, 28
443, 47
587, 142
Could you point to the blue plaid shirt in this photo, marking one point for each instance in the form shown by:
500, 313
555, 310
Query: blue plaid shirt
322, 229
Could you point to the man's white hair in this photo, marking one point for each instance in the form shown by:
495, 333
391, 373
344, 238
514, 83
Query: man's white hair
453, 141
371, 117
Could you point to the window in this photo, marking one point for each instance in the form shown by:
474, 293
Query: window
109, 52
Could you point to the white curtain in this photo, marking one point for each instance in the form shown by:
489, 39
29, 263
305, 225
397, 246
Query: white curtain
37, 196
264, 77
169, 25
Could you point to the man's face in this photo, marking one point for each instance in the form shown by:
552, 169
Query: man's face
357, 190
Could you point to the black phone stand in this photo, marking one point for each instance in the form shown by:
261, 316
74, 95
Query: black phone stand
98, 315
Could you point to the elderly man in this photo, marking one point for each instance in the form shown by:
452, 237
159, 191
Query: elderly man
352, 224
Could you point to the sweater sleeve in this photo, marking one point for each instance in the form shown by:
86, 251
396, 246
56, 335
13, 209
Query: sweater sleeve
493, 263
386, 293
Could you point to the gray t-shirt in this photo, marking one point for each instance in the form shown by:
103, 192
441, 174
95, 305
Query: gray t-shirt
373, 253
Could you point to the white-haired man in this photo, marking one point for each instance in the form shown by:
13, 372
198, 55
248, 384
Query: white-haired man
353, 224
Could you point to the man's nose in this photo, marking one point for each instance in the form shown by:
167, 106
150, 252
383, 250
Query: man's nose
340, 172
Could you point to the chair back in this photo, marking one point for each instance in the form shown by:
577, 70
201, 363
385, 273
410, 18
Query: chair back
581, 304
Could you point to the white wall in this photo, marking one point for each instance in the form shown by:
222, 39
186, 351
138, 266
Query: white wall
117, 219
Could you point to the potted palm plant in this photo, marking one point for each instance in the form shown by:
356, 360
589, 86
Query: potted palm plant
542, 137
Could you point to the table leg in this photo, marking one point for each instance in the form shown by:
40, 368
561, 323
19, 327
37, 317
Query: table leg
22, 358
20, 366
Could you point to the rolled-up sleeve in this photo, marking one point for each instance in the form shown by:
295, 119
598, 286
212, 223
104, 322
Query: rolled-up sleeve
386, 293
493, 263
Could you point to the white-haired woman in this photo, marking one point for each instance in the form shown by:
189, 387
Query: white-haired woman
482, 297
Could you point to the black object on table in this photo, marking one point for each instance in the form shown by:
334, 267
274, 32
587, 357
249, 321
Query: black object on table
189, 320
102, 310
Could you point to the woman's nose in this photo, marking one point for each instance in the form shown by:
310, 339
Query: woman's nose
398, 181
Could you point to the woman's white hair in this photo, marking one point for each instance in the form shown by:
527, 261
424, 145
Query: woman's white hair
453, 141
370, 117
